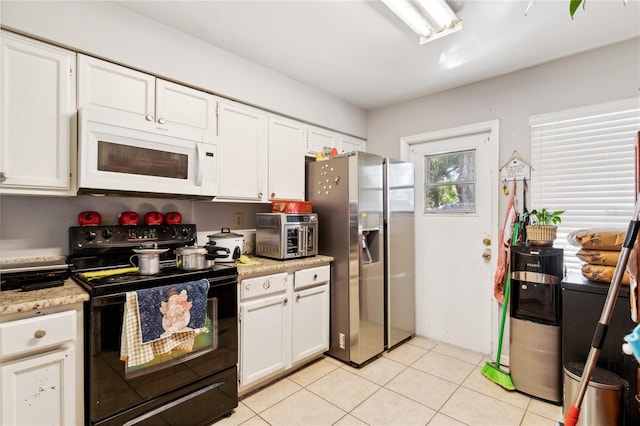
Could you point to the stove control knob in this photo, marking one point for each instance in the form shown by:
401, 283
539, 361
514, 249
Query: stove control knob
107, 233
90, 235
172, 232
185, 232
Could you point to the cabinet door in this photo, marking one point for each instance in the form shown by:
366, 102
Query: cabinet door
242, 152
286, 159
310, 322
37, 109
318, 139
102, 84
348, 144
184, 106
40, 389
264, 339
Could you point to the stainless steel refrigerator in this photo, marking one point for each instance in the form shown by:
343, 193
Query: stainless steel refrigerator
399, 197
348, 194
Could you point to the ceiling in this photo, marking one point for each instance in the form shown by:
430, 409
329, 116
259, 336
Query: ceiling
358, 51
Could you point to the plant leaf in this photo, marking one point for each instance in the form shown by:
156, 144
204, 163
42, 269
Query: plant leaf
573, 6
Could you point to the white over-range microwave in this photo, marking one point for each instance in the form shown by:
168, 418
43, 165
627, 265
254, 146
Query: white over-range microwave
119, 155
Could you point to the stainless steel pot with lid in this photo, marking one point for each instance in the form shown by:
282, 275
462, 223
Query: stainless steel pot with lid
229, 240
148, 255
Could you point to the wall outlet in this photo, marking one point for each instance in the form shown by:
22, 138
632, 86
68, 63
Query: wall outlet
238, 220
342, 343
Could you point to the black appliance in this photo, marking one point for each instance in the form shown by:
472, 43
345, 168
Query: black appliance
33, 275
582, 304
182, 388
535, 360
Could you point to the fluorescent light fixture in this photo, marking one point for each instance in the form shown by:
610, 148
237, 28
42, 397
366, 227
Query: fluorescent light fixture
430, 19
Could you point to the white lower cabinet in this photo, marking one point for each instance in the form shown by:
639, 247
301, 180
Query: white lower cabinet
264, 338
283, 322
310, 316
41, 370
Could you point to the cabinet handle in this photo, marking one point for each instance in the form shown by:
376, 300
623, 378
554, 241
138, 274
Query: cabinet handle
39, 334
297, 297
161, 120
3, 177
315, 277
149, 117
273, 195
285, 301
259, 194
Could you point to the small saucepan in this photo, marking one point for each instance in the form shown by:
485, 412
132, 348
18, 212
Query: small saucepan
148, 259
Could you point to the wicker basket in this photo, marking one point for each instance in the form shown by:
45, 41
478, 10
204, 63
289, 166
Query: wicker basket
541, 235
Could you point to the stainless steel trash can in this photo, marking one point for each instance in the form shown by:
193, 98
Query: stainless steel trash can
603, 401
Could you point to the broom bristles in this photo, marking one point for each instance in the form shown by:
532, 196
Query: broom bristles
497, 375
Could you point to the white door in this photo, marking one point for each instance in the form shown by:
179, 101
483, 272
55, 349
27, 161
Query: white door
455, 225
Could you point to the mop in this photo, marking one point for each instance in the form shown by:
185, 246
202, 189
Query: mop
572, 415
492, 370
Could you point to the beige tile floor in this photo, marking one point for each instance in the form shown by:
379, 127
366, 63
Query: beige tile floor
420, 382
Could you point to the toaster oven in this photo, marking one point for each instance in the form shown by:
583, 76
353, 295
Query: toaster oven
286, 235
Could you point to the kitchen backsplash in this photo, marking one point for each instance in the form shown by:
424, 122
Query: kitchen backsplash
38, 226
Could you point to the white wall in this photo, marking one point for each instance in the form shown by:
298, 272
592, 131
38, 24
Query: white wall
603, 75
607, 74
107, 30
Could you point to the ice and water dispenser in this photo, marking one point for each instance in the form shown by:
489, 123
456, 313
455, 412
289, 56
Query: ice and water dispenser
535, 351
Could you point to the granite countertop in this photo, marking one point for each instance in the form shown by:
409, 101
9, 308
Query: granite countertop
272, 266
17, 301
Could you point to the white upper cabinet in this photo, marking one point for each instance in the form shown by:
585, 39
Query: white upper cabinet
318, 139
37, 118
287, 146
242, 152
348, 144
102, 84
184, 106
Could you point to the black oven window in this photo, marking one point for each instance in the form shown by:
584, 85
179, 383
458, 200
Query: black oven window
113, 157
203, 343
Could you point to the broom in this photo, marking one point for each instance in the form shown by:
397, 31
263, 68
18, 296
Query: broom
492, 370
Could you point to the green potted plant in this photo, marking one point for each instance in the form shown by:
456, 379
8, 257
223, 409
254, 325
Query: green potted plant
543, 227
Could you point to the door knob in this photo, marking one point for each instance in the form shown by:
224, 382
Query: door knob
486, 254
486, 241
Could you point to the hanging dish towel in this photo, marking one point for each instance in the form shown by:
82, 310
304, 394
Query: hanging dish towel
162, 319
504, 248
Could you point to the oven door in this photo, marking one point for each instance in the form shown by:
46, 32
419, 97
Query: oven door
201, 385
301, 240
116, 154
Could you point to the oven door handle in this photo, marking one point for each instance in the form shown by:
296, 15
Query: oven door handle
172, 404
303, 235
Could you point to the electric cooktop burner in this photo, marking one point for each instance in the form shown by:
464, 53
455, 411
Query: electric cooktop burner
100, 257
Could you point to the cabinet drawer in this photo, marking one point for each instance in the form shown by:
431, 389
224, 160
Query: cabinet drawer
34, 334
263, 286
311, 276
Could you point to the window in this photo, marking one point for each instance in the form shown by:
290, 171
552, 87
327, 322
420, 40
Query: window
450, 182
583, 162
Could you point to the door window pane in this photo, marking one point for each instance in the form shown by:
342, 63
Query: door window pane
450, 182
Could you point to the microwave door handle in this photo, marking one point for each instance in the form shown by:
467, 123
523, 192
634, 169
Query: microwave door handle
200, 166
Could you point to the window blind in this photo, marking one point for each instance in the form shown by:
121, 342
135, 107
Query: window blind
583, 162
